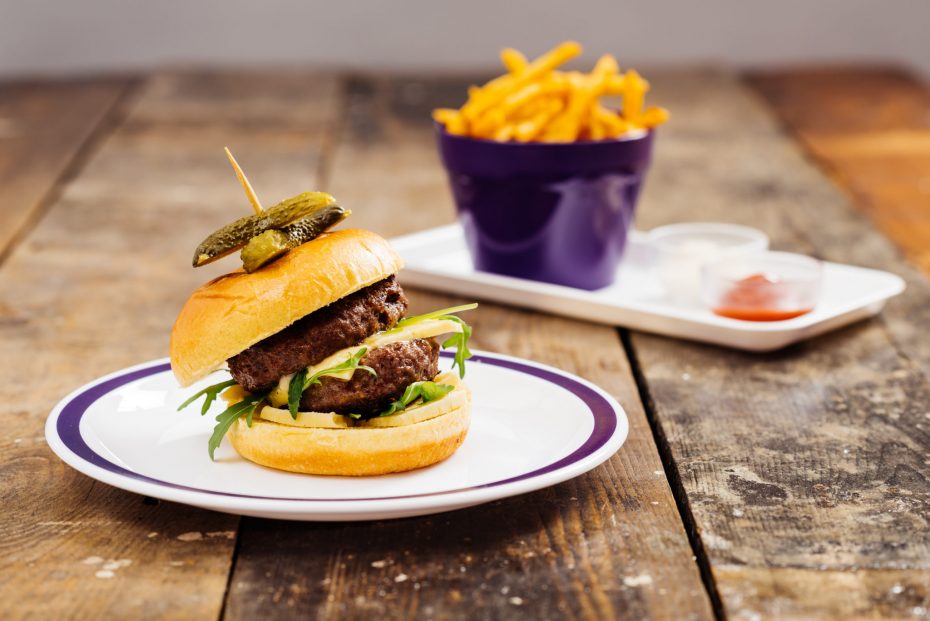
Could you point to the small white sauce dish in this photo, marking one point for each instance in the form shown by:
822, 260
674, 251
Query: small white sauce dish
680, 251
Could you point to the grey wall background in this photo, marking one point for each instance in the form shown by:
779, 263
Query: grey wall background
68, 36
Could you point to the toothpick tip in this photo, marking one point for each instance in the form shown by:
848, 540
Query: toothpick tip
249, 192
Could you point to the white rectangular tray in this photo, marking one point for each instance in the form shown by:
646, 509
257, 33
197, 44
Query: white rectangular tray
438, 259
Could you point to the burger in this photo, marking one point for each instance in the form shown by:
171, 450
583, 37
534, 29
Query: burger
328, 374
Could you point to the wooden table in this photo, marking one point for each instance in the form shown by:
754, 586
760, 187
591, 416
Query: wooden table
790, 485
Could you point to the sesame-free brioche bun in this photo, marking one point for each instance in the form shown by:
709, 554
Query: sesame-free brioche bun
233, 312
354, 451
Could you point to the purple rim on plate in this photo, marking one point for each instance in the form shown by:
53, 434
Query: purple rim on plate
69, 423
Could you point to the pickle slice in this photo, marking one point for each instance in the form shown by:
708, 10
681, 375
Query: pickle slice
271, 244
237, 234
263, 249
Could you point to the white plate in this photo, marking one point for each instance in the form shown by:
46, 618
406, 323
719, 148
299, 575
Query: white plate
532, 426
438, 259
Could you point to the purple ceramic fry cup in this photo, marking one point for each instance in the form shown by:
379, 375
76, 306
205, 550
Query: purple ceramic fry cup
554, 212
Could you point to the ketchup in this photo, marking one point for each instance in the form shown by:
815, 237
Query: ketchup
757, 298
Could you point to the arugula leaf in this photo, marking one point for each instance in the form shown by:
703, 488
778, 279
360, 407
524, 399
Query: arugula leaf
295, 391
425, 391
437, 314
227, 417
225, 420
300, 382
459, 340
211, 392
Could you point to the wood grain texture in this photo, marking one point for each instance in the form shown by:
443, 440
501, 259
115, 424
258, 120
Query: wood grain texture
95, 287
806, 470
607, 545
43, 127
870, 128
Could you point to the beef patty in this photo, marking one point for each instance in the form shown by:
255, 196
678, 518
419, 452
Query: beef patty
398, 365
309, 340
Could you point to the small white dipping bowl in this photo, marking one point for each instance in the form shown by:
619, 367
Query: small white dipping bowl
681, 250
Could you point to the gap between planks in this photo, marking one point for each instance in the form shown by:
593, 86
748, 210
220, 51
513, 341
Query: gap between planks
674, 478
111, 118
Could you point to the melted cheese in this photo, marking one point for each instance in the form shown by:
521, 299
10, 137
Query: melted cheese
414, 414
421, 330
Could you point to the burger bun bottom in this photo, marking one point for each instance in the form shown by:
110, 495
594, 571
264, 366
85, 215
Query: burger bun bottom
353, 451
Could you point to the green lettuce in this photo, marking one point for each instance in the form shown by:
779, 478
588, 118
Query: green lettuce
423, 391
227, 417
211, 393
230, 415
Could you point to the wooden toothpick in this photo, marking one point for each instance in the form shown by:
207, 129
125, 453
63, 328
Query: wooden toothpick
256, 205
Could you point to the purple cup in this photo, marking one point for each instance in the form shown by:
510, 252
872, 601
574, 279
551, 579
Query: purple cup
555, 212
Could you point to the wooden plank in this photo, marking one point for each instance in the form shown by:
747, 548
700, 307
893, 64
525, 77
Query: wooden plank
43, 128
95, 287
869, 128
806, 470
605, 545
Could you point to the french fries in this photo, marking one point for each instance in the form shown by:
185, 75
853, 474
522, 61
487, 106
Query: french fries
534, 101
513, 60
